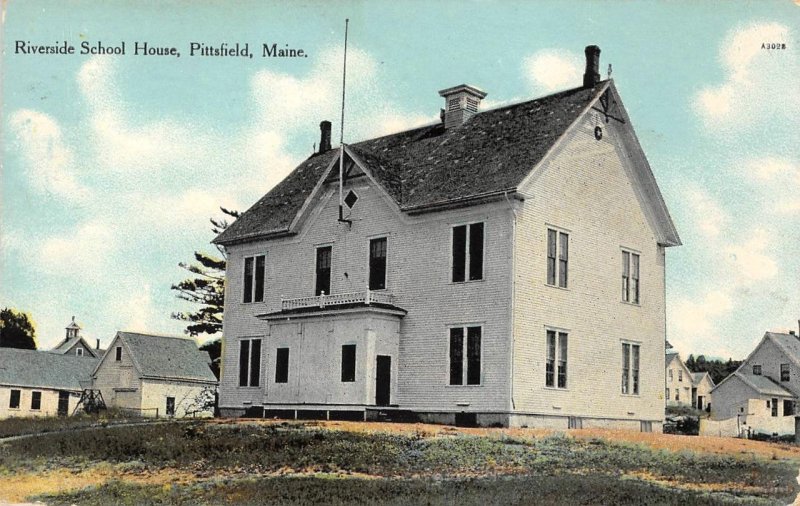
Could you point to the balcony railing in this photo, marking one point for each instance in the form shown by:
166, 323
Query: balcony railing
336, 299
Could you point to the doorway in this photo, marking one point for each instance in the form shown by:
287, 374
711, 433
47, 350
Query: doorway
63, 403
383, 380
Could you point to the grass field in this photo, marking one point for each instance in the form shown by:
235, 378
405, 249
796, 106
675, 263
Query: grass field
214, 462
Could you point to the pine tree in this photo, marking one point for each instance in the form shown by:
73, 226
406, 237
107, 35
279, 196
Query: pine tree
16, 330
206, 287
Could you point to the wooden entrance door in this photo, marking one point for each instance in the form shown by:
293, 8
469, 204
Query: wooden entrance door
63, 403
383, 380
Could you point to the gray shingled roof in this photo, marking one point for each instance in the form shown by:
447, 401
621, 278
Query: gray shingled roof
431, 165
67, 344
763, 384
789, 342
40, 369
168, 357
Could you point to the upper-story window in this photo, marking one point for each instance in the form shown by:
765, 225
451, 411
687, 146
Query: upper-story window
757, 370
630, 277
79, 352
118, 356
556, 366
465, 356
254, 278
784, 372
670, 375
630, 368
680, 374
377, 263
467, 252
557, 257
323, 279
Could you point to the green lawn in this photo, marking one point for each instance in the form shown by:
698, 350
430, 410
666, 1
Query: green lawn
300, 464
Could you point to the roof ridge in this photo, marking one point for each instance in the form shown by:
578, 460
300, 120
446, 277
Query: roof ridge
168, 336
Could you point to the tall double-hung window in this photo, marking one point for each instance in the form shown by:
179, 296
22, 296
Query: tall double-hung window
556, 366
557, 257
254, 269
465, 355
249, 362
630, 368
467, 252
630, 277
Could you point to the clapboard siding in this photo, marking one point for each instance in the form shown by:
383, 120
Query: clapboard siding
584, 188
418, 274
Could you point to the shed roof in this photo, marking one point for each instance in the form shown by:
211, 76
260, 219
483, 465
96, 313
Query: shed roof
41, 369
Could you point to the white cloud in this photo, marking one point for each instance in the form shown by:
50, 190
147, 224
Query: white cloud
80, 254
49, 161
759, 84
710, 218
779, 180
750, 261
551, 70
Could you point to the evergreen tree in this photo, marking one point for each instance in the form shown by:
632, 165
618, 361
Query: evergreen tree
206, 286
214, 349
16, 330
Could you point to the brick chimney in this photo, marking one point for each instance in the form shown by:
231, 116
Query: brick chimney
324, 136
592, 75
460, 104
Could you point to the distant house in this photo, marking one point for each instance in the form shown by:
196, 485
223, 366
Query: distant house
38, 383
763, 391
502, 267
155, 375
74, 344
684, 387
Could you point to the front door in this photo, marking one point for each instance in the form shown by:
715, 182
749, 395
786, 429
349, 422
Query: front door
699, 402
63, 403
383, 380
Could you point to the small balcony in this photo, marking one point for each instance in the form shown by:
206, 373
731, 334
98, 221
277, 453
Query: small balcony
321, 301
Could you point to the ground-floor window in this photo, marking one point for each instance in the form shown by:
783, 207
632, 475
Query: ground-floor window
36, 400
774, 407
465, 356
348, 363
170, 406
788, 407
555, 374
630, 368
14, 401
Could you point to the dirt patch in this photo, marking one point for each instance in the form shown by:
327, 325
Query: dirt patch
699, 487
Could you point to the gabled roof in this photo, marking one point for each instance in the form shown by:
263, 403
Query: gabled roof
167, 357
431, 166
40, 369
761, 384
788, 343
697, 377
67, 344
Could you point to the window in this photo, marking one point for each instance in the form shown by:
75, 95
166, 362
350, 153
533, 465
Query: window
249, 362
677, 394
282, 365
680, 374
170, 406
666, 393
323, 283
555, 374
377, 264
348, 363
757, 370
774, 407
254, 268
784, 372
79, 352
467, 252
670, 377
14, 401
36, 400
630, 368
557, 257
465, 356
630, 277
788, 408
118, 356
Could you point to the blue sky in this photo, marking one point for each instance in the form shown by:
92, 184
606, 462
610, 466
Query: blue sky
112, 165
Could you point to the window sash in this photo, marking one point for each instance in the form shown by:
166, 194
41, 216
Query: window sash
556, 365
255, 362
377, 263
626, 276
282, 365
549, 375
473, 355
774, 407
457, 356
459, 253
563, 256
634, 278
244, 361
551, 257
785, 375
635, 368
259, 281
626, 354
476, 251
323, 280
248, 280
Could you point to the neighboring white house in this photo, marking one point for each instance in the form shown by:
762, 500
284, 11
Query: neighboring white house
763, 391
500, 267
684, 387
155, 375
39, 383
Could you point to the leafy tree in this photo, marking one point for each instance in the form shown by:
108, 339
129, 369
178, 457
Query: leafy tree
206, 286
16, 330
716, 368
